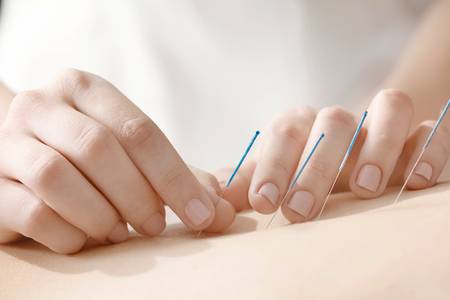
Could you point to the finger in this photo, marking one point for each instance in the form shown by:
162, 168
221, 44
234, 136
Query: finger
94, 150
237, 192
145, 143
388, 126
61, 186
8, 236
225, 212
22, 212
306, 198
434, 159
278, 158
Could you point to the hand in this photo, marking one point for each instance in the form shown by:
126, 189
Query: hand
78, 159
384, 154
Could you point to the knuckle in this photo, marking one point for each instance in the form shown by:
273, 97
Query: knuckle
93, 141
388, 141
290, 131
286, 127
26, 102
426, 126
207, 179
281, 167
74, 79
307, 111
173, 177
396, 99
302, 112
211, 179
137, 132
320, 169
280, 118
45, 169
291, 124
337, 114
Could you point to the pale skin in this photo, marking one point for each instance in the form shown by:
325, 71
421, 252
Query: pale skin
79, 160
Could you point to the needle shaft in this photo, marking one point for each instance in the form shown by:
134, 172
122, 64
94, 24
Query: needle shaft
300, 171
236, 169
427, 143
344, 160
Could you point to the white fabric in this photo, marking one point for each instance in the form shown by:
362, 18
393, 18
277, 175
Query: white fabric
211, 72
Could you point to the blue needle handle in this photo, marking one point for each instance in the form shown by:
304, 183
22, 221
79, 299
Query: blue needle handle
352, 143
243, 158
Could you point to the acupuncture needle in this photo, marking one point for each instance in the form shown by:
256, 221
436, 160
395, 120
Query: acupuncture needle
344, 160
300, 171
236, 169
242, 159
427, 143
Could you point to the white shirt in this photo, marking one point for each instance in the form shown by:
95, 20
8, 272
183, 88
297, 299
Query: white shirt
211, 72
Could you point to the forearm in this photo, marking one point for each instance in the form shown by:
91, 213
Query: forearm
6, 96
424, 69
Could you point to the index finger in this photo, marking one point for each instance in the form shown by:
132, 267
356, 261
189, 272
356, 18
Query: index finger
144, 142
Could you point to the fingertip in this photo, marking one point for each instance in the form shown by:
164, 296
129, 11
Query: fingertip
69, 246
261, 204
417, 182
154, 225
265, 199
367, 183
421, 176
200, 213
291, 215
299, 207
119, 234
224, 216
396, 99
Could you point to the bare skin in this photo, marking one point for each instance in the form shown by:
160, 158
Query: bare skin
72, 159
359, 250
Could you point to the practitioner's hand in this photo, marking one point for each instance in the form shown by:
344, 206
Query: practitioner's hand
78, 159
384, 154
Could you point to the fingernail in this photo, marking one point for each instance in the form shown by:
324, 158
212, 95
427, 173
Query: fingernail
301, 202
119, 233
424, 169
197, 212
369, 178
270, 192
154, 225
